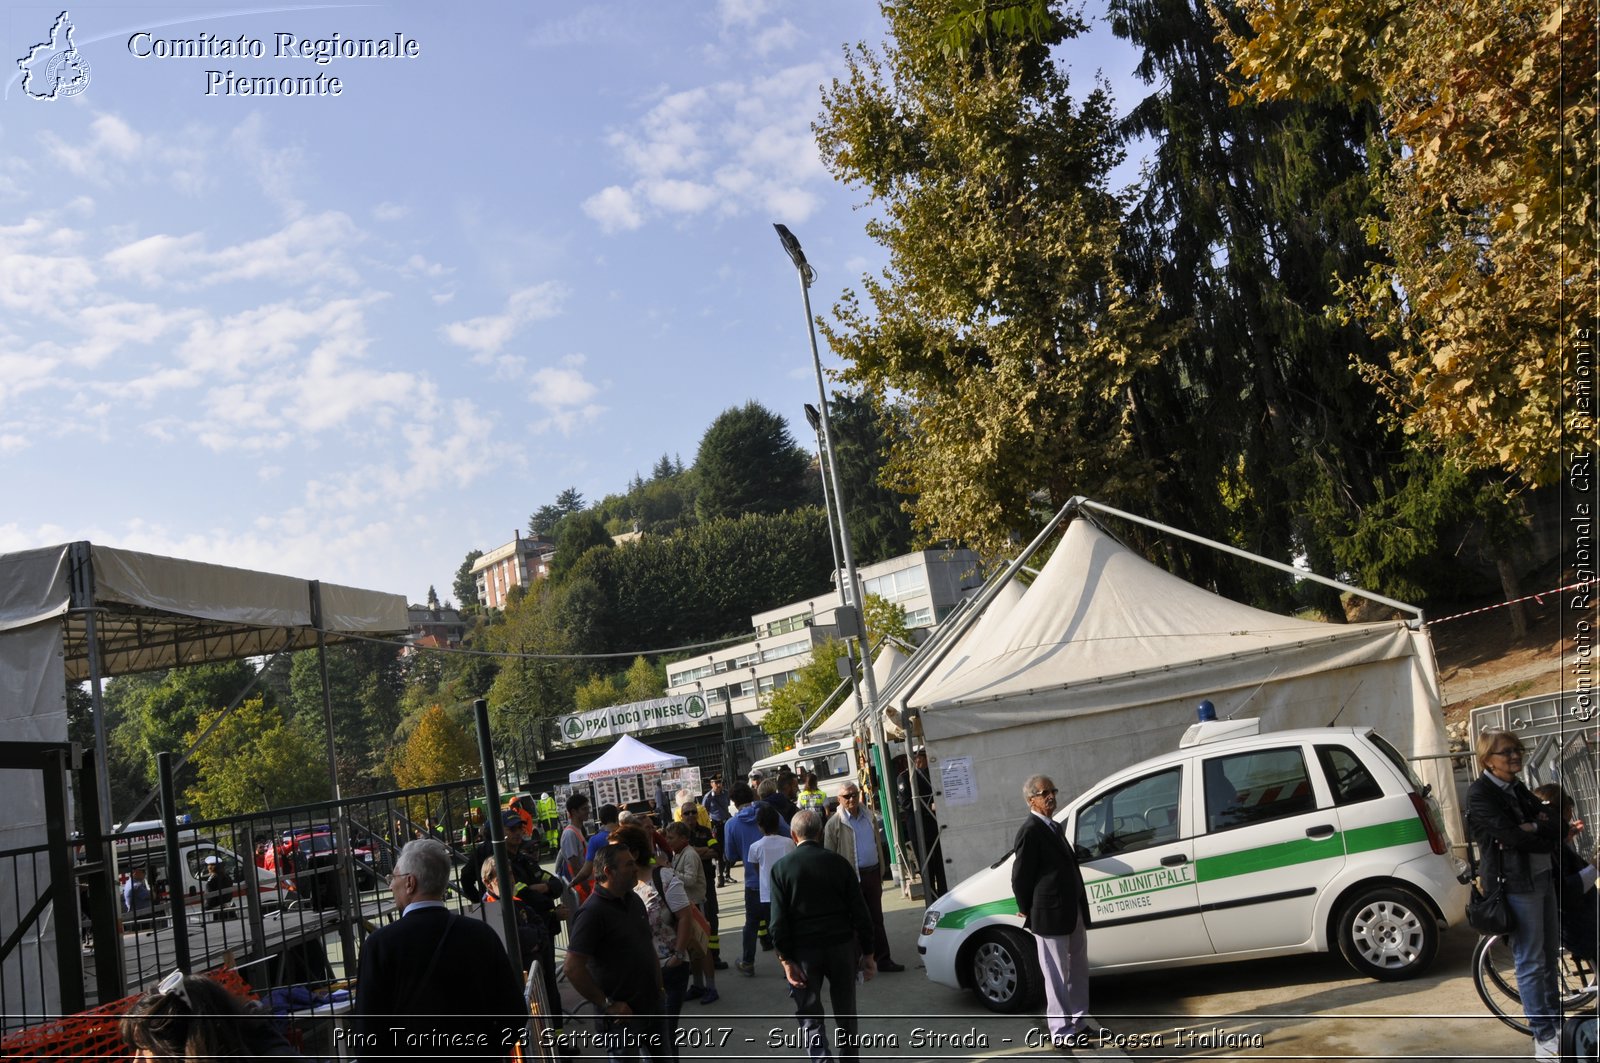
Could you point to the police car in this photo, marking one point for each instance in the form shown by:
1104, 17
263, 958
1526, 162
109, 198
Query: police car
1240, 845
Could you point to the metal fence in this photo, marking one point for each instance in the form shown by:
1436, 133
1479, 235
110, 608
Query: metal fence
284, 895
1562, 734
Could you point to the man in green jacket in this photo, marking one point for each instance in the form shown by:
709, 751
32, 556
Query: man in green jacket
822, 931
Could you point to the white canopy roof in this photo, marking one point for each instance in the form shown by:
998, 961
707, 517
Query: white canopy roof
1101, 623
843, 719
628, 756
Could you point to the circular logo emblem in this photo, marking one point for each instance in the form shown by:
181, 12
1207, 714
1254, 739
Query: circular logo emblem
572, 727
68, 72
694, 706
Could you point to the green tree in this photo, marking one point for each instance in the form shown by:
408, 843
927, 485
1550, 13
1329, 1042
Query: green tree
255, 759
526, 692
596, 692
644, 681
1488, 176
749, 463
439, 750
884, 619
1001, 322
466, 585
790, 705
863, 439
580, 533
158, 711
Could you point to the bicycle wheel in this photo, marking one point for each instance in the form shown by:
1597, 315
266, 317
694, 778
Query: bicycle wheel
1494, 975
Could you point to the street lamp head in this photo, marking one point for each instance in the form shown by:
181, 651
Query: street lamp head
813, 418
791, 246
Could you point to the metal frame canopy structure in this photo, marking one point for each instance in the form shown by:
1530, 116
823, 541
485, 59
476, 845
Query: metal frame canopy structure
79, 612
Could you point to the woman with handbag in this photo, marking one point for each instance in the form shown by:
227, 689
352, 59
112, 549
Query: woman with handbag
671, 927
1516, 836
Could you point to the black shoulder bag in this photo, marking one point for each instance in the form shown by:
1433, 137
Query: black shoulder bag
1489, 913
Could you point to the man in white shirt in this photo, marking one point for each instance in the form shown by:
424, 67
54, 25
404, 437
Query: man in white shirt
853, 834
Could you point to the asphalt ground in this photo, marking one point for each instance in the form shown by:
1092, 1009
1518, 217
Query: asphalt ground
1310, 1007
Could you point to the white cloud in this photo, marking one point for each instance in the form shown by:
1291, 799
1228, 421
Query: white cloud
110, 140
680, 197
566, 395
486, 335
614, 209
741, 146
390, 212
777, 38
307, 248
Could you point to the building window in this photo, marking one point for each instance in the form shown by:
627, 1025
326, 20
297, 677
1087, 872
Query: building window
786, 625
747, 660
920, 617
793, 649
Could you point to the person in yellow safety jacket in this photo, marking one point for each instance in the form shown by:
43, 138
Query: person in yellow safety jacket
811, 797
549, 821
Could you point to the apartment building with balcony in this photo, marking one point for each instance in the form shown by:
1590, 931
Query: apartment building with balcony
516, 564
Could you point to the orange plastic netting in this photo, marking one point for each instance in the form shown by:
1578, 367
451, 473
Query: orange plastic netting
93, 1034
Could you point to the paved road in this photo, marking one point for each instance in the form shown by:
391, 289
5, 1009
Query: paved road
1298, 1008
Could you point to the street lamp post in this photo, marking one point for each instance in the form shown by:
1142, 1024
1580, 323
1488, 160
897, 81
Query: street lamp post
874, 719
814, 419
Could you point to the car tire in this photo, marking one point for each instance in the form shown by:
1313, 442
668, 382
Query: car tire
1388, 933
1004, 966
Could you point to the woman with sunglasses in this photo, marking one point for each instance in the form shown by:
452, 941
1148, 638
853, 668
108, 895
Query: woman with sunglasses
193, 1018
1517, 836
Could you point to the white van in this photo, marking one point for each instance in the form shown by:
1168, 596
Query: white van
833, 759
1239, 845
140, 846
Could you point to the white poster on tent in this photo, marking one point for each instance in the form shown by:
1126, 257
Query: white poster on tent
957, 784
605, 792
627, 789
681, 779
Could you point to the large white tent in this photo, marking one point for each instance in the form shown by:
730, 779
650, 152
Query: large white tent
1102, 663
627, 756
79, 612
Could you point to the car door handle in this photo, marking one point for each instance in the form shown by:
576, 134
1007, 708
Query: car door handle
1175, 860
1323, 831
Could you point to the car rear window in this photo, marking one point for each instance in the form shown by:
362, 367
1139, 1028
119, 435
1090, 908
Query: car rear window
1348, 777
1394, 757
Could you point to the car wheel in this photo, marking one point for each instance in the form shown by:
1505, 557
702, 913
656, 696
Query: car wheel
1388, 934
1005, 970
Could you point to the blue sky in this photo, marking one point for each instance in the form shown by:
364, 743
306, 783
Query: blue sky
351, 338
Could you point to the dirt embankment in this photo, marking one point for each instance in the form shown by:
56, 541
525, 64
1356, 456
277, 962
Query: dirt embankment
1482, 663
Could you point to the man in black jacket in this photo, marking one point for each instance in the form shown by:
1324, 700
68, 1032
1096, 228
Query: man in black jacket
434, 985
1051, 900
822, 931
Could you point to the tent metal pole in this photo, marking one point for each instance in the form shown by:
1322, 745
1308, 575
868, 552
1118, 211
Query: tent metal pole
341, 828
1248, 556
81, 568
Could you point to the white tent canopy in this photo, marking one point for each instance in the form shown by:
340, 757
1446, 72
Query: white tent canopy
1102, 662
627, 756
842, 720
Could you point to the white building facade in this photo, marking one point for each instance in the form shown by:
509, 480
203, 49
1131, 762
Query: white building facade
927, 584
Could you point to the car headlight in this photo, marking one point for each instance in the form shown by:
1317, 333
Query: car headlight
930, 922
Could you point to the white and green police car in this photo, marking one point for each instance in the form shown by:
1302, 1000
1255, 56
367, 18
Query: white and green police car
1239, 845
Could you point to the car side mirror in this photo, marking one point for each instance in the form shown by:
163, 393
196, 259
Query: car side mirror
1081, 853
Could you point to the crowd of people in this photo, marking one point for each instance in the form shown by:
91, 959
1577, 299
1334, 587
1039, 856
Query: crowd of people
641, 902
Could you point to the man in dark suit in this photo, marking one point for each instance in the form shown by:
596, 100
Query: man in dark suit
434, 985
822, 932
1054, 907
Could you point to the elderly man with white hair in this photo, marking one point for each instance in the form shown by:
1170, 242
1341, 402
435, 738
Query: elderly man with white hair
434, 984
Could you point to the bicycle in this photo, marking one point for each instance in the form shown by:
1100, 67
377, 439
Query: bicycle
1495, 977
